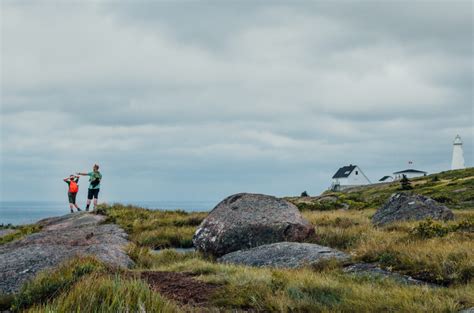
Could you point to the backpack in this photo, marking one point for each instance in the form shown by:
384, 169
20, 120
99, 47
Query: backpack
73, 187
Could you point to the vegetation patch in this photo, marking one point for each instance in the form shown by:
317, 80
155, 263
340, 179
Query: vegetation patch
50, 283
404, 247
18, 232
155, 229
109, 293
430, 229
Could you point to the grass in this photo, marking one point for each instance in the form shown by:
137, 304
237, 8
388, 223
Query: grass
50, 283
437, 252
453, 188
328, 289
19, 232
108, 293
446, 259
310, 290
154, 228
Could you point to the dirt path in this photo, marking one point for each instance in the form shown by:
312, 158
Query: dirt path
181, 287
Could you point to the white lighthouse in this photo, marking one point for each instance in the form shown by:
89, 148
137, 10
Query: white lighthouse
458, 157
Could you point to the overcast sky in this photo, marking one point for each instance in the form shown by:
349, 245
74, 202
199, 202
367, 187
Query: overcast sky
198, 100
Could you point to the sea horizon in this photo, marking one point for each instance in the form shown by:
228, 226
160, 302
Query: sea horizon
30, 211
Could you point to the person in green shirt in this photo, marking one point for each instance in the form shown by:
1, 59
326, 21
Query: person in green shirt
94, 185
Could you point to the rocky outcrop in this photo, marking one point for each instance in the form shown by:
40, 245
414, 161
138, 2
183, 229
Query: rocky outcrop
374, 270
245, 220
61, 238
404, 207
284, 255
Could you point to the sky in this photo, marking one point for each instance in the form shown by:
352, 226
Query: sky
197, 100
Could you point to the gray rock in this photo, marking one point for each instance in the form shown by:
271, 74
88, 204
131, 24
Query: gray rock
61, 238
404, 207
470, 310
245, 220
373, 270
284, 255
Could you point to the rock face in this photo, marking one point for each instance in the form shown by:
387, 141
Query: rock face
373, 270
403, 207
244, 221
283, 255
61, 238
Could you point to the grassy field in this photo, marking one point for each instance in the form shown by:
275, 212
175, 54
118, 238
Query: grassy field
453, 188
154, 229
441, 253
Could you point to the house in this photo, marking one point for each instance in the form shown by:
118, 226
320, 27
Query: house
386, 179
409, 173
348, 176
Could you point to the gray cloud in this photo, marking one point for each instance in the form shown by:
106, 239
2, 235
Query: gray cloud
197, 100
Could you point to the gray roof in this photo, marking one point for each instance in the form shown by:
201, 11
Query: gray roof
385, 178
344, 171
410, 171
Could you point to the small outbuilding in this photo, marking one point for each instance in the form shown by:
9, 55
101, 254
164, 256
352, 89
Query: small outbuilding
386, 179
409, 173
348, 176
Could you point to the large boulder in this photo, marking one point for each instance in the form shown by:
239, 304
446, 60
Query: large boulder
284, 255
405, 207
61, 238
245, 221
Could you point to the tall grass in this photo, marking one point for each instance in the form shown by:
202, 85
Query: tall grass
155, 229
50, 283
104, 293
307, 290
442, 260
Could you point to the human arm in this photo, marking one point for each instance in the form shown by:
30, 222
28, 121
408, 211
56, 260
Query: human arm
83, 174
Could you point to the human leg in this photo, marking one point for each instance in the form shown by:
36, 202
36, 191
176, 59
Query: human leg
96, 196
90, 195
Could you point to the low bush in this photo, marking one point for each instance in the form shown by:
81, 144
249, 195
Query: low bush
430, 229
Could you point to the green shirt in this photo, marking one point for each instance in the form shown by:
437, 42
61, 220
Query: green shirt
93, 176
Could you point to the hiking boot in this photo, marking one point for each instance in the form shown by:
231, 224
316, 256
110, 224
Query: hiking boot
79, 210
72, 211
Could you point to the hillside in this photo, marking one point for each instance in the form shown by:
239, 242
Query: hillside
416, 266
453, 188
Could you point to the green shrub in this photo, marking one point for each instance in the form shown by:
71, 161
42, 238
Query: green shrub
429, 229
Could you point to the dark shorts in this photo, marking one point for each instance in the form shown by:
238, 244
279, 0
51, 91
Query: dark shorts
72, 197
93, 193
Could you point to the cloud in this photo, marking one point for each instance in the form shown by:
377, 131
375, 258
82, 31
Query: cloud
202, 100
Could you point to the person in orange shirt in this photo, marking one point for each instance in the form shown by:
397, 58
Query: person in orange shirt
73, 188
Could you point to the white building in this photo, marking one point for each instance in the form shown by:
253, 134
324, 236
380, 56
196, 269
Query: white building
458, 156
409, 173
348, 176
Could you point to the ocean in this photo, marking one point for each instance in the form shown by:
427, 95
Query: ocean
25, 212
